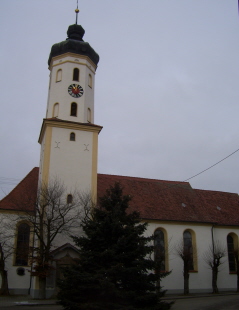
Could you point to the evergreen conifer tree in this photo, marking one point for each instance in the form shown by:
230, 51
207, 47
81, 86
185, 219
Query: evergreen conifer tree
115, 269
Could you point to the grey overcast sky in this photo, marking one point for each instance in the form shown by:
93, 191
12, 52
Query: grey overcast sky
166, 92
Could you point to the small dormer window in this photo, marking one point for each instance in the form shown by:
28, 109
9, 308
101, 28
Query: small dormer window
90, 80
89, 115
69, 198
59, 75
72, 136
56, 110
76, 73
74, 109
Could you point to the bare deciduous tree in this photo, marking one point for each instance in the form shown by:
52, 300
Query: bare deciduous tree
6, 249
213, 257
188, 256
236, 256
55, 215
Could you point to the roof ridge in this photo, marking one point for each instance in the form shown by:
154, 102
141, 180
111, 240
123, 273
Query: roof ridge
213, 191
143, 179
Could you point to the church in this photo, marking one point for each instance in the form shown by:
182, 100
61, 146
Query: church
175, 212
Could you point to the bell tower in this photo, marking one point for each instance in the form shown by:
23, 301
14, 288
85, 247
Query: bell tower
69, 137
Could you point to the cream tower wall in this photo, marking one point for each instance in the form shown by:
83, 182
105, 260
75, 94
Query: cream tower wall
58, 90
72, 162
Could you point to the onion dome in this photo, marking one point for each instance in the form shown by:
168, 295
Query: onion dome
74, 44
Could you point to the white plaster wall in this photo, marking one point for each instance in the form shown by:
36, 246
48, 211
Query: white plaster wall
198, 282
16, 282
202, 279
19, 284
58, 91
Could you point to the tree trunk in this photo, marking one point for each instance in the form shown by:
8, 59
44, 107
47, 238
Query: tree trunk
214, 280
237, 281
186, 282
4, 287
42, 288
237, 265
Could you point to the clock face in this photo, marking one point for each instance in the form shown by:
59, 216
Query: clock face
75, 90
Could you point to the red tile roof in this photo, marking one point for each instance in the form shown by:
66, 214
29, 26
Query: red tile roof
175, 201
23, 196
222, 207
154, 199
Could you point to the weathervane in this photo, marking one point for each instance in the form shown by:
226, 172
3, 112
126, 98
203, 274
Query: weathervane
77, 11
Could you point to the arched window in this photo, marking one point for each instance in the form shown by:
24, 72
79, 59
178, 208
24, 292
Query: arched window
69, 198
59, 75
72, 136
159, 249
76, 73
90, 80
55, 110
74, 109
89, 115
231, 253
188, 249
22, 248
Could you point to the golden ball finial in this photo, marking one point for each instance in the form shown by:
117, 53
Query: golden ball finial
77, 11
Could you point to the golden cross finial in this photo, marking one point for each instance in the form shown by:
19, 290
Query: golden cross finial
77, 11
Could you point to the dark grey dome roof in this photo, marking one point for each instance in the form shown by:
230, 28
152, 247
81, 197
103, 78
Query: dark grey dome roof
74, 44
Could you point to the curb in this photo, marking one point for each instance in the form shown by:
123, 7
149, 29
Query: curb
173, 297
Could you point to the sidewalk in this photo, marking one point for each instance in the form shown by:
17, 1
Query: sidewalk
197, 295
24, 300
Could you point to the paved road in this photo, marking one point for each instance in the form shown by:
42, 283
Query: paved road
31, 307
211, 302
228, 302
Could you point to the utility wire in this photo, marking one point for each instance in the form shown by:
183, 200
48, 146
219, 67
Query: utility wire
13, 181
211, 166
8, 181
177, 184
4, 178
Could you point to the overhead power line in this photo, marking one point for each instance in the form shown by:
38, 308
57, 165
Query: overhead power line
177, 184
8, 181
13, 181
211, 166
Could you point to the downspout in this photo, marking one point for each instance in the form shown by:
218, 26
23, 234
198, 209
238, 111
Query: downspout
33, 244
213, 245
